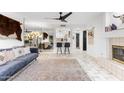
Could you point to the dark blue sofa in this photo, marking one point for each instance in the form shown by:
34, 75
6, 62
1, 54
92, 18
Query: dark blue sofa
12, 67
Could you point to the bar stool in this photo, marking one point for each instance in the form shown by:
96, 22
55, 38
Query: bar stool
59, 46
67, 45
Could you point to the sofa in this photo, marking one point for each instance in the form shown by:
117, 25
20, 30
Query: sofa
12, 67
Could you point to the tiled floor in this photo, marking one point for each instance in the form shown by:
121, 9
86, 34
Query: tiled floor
94, 71
87, 63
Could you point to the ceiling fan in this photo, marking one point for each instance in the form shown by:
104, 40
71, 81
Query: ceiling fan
62, 17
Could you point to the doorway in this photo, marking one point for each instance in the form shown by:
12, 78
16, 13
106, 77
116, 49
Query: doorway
77, 40
84, 40
51, 40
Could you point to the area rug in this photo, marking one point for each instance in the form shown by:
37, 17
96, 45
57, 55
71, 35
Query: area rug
53, 70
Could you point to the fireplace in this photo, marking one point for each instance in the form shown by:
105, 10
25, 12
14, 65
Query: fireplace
118, 53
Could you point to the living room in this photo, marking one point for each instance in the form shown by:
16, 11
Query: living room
74, 44
94, 37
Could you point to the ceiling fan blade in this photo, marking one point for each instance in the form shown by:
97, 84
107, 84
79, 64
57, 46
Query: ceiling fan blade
63, 20
65, 16
56, 18
53, 18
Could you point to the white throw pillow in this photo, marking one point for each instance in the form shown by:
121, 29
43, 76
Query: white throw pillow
20, 51
10, 55
3, 57
27, 50
16, 52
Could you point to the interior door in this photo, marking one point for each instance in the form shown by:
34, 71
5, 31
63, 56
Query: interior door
51, 40
84, 40
77, 40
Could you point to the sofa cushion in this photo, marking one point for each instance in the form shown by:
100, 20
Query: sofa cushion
28, 57
13, 66
10, 68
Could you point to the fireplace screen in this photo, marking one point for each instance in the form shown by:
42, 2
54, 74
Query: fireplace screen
118, 53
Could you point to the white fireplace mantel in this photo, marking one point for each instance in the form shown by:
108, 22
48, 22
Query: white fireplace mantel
114, 33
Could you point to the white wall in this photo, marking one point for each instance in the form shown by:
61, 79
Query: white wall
99, 48
10, 43
111, 20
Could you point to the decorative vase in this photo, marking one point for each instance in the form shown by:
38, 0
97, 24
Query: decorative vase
114, 27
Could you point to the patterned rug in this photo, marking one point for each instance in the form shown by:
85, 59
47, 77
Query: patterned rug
53, 70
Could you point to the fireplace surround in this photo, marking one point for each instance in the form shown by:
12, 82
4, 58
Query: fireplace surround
112, 63
118, 53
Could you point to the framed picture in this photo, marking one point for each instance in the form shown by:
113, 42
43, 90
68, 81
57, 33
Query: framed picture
90, 37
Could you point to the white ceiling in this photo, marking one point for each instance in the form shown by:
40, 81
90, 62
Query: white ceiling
36, 20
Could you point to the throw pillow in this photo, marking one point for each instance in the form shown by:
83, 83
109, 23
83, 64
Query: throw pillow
10, 55
27, 50
16, 52
3, 58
